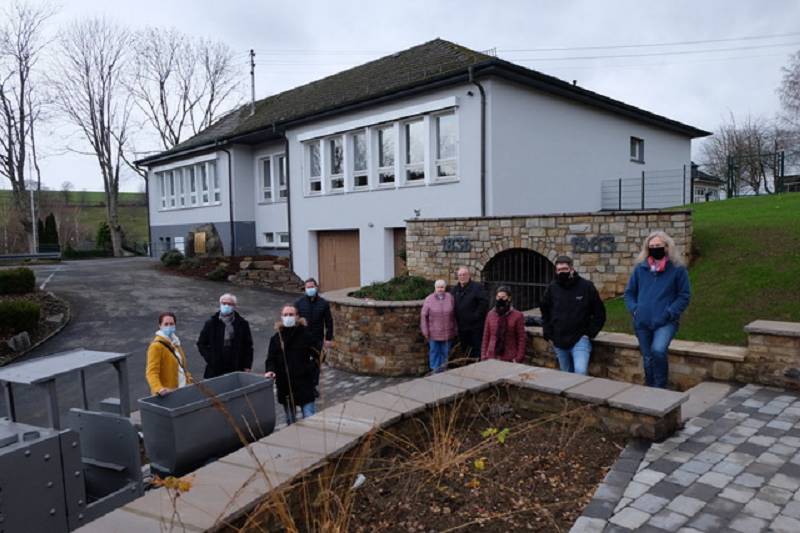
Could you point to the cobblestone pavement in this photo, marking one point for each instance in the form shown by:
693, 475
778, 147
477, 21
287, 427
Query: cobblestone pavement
736, 467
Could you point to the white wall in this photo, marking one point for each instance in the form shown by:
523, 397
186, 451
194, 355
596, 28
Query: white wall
550, 154
189, 215
373, 212
269, 216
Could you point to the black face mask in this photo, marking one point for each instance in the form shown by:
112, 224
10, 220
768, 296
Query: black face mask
501, 305
658, 253
563, 277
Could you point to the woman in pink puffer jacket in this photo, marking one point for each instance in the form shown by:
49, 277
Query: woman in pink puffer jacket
438, 324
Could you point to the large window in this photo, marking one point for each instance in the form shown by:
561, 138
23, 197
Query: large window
360, 174
266, 179
283, 240
445, 132
189, 186
314, 170
336, 154
414, 151
385, 155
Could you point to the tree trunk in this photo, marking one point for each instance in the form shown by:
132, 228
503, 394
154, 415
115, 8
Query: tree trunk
112, 217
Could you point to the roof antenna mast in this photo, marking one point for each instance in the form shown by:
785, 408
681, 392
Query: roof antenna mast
252, 82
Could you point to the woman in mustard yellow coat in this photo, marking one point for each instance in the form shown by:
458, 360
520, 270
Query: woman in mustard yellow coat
166, 360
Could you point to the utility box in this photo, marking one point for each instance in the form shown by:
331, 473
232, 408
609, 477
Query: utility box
203, 421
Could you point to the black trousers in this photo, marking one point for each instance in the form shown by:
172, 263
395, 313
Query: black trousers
470, 340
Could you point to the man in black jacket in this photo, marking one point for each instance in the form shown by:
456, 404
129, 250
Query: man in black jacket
225, 341
471, 307
573, 313
317, 312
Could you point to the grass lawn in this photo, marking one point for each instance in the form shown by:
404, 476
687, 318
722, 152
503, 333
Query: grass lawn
746, 267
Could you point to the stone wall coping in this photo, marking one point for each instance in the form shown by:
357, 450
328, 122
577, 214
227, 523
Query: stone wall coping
647, 400
773, 327
560, 215
705, 350
340, 296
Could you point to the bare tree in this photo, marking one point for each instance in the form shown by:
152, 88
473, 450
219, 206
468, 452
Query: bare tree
181, 83
746, 152
90, 88
21, 46
789, 93
66, 188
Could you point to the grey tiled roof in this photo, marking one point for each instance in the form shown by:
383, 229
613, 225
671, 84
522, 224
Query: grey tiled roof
422, 65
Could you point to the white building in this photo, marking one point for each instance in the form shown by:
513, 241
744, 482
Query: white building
330, 171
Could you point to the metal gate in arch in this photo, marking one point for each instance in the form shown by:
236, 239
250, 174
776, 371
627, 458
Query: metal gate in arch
525, 272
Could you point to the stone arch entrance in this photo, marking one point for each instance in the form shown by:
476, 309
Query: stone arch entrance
525, 272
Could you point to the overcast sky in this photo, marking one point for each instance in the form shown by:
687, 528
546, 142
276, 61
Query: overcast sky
298, 42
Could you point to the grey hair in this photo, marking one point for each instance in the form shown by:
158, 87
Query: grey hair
463, 267
673, 252
440, 283
228, 296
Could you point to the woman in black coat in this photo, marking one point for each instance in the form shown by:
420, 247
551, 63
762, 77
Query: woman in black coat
290, 362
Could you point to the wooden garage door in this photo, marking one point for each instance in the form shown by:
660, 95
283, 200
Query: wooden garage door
339, 259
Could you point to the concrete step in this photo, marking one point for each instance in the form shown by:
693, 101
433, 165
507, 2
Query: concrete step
702, 396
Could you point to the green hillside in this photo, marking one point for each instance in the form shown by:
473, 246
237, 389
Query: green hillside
746, 267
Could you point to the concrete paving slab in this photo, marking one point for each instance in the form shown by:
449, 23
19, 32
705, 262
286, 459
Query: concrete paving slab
459, 381
391, 402
422, 390
702, 396
311, 440
648, 400
596, 390
125, 521
549, 381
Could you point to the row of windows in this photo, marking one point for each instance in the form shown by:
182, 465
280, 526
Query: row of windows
189, 186
278, 239
273, 177
366, 158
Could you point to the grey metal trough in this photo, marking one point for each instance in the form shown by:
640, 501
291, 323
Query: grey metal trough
200, 422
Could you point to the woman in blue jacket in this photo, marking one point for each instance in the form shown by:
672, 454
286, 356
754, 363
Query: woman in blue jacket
656, 296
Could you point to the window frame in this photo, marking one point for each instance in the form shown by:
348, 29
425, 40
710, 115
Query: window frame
163, 188
310, 178
637, 149
279, 242
389, 169
407, 165
441, 161
269, 239
263, 164
338, 176
360, 173
283, 175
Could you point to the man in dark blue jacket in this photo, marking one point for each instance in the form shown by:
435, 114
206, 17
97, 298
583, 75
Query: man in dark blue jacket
573, 314
471, 305
317, 312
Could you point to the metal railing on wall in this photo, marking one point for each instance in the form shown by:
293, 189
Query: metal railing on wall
654, 189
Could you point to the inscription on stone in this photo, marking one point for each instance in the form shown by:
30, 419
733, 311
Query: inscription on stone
456, 244
599, 244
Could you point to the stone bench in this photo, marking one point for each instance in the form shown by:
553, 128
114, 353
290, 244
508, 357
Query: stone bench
225, 490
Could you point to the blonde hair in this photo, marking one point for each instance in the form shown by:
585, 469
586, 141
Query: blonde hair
673, 252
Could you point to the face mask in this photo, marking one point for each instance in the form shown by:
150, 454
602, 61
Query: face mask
311, 292
288, 321
563, 277
501, 305
657, 253
168, 331
225, 309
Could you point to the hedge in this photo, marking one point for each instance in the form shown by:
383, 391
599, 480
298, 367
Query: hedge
17, 281
400, 289
19, 315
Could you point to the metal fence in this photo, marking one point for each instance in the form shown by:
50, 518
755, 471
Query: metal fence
654, 189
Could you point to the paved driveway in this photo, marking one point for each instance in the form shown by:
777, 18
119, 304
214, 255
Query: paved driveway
115, 305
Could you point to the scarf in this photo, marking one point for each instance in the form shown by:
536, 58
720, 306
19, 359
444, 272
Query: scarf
657, 265
181, 370
228, 321
500, 345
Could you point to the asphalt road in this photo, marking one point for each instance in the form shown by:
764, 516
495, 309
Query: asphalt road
115, 305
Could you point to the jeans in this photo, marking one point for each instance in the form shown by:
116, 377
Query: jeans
291, 412
654, 345
575, 359
437, 357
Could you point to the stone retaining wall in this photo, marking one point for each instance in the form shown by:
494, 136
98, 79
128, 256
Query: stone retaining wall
375, 337
272, 273
603, 245
771, 358
290, 465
